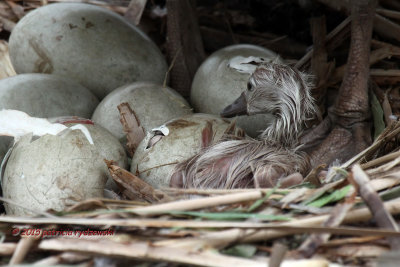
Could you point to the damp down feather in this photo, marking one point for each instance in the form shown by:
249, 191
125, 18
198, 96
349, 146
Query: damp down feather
273, 88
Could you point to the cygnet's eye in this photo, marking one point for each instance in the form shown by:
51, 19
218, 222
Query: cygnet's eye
249, 87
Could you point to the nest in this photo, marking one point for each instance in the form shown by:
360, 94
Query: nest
345, 216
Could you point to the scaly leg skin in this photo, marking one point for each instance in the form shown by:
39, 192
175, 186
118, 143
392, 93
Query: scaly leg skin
350, 129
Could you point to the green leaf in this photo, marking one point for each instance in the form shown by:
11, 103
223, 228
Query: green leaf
245, 251
391, 193
220, 216
259, 202
377, 114
332, 197
305, 184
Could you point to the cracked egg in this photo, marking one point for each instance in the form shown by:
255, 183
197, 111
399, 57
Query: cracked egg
55, 171
175, 141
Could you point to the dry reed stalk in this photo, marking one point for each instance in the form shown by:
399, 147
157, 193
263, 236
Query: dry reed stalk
63, 258
6, 68
241, 235
333, 39
148, 251
382, 217
210, 191
22, 249
351, 240
277, 255
384, 183
193, 204
135, 11
7, 248
375, 56
380, 160
392, 14
162, 223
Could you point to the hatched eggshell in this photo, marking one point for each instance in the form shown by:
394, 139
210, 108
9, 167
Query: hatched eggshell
44, 96
153, 104
156, 164
220, 80
54, 171
89, 44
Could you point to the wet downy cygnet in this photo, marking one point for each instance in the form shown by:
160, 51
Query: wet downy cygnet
272, 88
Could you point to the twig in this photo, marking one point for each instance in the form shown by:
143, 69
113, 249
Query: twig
277, 255
381, 160
8, 25
147, 250
312, 243
22, 249
135, 10
7, 248
216, 39
383, 26
193, 204
333, 40
56, 260
385, 77
211, 191
6, 68
306, 225
240, 235
375, 204
388, 13
38, 212
386, 27
171, 66
376, 56
351, 240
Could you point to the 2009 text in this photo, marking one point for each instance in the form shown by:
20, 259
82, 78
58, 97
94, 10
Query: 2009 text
43, 233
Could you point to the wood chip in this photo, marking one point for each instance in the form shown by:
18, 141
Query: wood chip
131, 124
132, 186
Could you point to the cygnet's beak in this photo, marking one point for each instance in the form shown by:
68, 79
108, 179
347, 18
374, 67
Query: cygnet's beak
237, 108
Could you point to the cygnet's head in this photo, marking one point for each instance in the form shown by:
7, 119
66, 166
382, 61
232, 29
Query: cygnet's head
275, 88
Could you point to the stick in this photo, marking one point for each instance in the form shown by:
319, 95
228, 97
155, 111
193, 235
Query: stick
375, 204
135, 10
147, 251
194, 204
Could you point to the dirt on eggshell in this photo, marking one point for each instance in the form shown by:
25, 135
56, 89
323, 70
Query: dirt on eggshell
55, 171
155, 161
